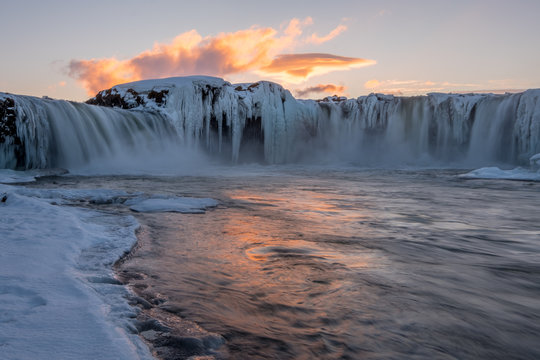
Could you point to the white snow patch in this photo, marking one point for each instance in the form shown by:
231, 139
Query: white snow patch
184, 205
496, 173
8, 176
58, 295
142, 86
75, 196
519, 173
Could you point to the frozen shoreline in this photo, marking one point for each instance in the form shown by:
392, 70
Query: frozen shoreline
58, 291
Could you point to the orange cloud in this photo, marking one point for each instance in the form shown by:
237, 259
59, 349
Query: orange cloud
255, 49
315, 39
415, 87
322, 88
371, 84
53, 87
297, 67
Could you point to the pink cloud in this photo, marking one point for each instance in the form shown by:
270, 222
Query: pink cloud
297, 67
322, 88
315, 39
256, 49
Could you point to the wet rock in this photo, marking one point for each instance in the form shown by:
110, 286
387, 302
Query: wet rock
137, 300
8, 131
151, 324
129, 99
150, 335
158, 96
111, 98
213, 341
253, 86
188, 346
8, 127
173, 309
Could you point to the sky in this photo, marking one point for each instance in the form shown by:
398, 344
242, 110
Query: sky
72, 49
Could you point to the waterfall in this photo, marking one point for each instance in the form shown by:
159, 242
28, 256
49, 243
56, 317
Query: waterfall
55, 133
263, 122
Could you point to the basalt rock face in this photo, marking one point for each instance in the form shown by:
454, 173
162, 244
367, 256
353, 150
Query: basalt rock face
8, 129
129, 99
45, 133
10, 142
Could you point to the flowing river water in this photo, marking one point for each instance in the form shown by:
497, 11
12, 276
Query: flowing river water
313, 263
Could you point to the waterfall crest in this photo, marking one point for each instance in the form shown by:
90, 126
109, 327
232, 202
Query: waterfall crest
264, 122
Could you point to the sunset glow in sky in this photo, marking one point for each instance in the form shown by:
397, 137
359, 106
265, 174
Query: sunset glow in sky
71, 50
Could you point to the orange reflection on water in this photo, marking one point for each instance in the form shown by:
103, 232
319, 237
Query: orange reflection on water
291, 224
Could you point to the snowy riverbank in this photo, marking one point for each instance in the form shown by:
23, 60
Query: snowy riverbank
58, 293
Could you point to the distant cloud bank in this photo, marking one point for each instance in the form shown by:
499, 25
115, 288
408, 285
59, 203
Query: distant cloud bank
322, 88
257, 50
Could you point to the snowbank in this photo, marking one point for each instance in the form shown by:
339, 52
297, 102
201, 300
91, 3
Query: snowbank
8, 176
58, 296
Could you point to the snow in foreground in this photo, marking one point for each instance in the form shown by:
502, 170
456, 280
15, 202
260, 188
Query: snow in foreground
58, 295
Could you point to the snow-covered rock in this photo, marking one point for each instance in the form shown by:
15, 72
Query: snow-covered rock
518, 173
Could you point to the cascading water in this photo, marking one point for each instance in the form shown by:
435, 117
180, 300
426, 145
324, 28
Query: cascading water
262, 121
52, 133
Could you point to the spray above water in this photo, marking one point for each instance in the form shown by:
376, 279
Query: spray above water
176, 124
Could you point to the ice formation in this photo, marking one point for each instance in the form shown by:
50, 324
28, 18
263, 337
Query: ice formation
185, 205
532, 173
57, 288
58, 293
263, 122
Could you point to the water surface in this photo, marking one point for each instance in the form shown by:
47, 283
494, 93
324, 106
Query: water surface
347, 264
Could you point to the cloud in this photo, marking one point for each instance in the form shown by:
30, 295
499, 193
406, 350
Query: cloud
56, 85
321, 88
371, 84
255, 50
315, 39
416, 87
298, 67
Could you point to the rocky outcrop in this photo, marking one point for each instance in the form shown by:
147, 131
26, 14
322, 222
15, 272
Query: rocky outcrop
10, 142
8, 128
111, 98
128, 99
